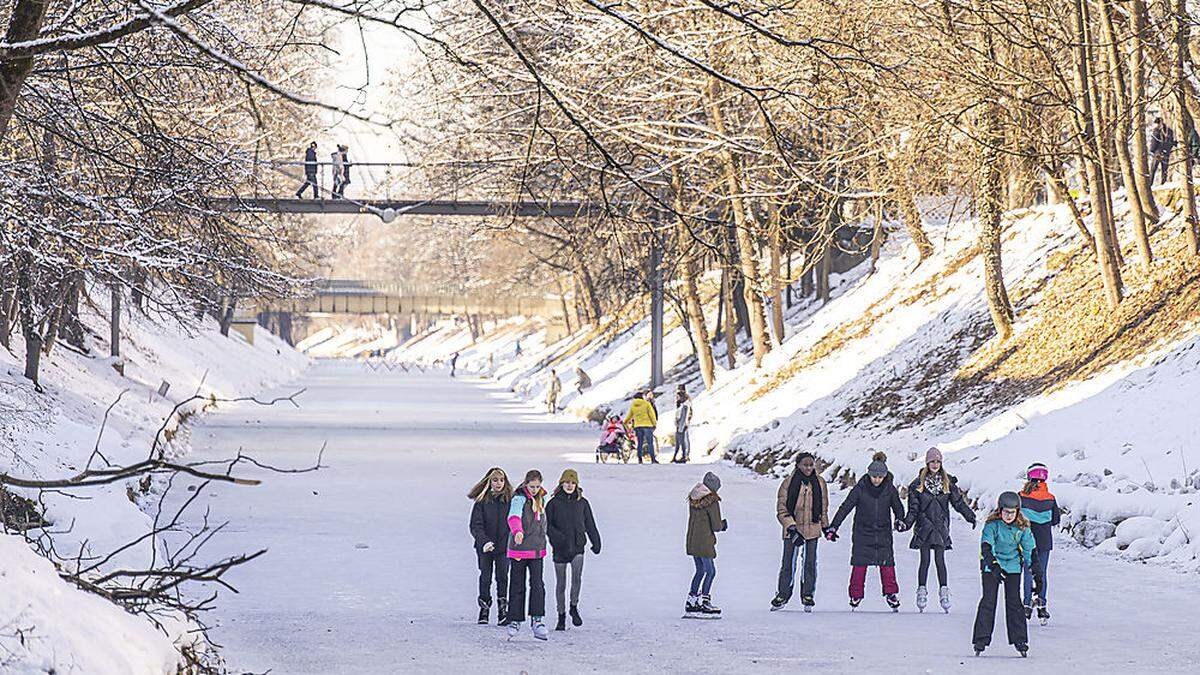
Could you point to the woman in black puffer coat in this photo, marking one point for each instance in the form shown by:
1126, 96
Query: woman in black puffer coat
874, 501
930, 497
489, 528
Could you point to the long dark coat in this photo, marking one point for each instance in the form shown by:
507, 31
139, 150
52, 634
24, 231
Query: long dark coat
570, 524
929, 514
489, 522
873, 509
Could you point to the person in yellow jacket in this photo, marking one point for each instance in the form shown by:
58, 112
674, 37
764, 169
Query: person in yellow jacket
643, 417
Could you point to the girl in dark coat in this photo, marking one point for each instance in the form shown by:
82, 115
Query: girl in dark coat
930, 497
570, 524
872, 499
489, 527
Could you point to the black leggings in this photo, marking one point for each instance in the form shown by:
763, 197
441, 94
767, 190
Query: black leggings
939, 557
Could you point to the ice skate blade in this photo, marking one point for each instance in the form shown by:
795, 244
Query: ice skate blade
702, 617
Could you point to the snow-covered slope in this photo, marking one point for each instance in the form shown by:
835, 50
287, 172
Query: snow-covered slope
47, 625
904, 358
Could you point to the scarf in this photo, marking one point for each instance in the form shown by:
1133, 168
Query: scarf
934, 483
793, 494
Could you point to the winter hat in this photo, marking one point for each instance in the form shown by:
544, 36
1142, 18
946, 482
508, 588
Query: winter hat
1009, 500
1037, 471
878, 467
712, 481
569, 476
933, 455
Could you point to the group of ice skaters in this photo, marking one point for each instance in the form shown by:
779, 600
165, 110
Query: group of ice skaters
512, 528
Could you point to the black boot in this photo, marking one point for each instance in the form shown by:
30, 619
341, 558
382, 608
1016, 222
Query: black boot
576, 620
1022, 648
501, 611
562, 622
485, 606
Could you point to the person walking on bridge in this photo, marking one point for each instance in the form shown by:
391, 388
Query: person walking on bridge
345, 151
310, 171
339, 165
643, 417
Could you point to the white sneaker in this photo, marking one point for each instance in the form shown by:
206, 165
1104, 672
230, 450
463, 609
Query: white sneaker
513, 629
539, 628
944, 598
922, 598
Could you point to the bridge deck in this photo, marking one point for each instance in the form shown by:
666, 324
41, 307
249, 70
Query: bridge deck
526, 209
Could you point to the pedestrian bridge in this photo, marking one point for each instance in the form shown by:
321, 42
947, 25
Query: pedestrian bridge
370, 297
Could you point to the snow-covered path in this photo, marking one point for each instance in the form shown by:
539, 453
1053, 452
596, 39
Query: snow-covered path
370, 567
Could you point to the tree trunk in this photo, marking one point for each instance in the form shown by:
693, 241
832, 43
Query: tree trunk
693, 308
24, 24
589, 290
1123, 113
1094, 160
987, 208
1137, 77
1185, 123
744, 227
228, 306
730, 336
562, 299
910, 215
774, 277
1058, 187
6, 315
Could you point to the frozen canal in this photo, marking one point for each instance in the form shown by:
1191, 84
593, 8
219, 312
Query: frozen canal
370, 567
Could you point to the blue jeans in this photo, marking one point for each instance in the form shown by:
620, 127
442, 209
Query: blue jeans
683, 445
1041, 561
706, 569
645, 443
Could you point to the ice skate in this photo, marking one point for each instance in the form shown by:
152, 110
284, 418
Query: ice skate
485, 606
808, 602
922, 598
892, 601
707, 608
539, 628
979, 647
944, 598
562, 622
854, 603
1023, 649
514, 629
778, 602
1043, 613
501, 611
576, 620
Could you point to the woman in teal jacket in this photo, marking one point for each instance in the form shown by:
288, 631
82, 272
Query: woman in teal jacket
1006, 548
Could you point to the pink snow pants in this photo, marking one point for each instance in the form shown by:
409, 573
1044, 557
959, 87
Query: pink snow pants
858, 578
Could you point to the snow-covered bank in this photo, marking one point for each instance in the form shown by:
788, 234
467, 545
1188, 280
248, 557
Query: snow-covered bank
45, 624
903, 358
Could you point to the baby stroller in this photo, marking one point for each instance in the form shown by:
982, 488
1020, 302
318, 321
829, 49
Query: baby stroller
616, 441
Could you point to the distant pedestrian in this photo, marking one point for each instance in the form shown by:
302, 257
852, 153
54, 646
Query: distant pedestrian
1005, 548
704, 522
802, 508
683, 421
553, 389
643, 417
570, 524
453, 364
310, 171
930, 498
874, 501
526, 551
345, 150
489, 528
337, 171
1040, 507
582, 381
517, 351
1162, 142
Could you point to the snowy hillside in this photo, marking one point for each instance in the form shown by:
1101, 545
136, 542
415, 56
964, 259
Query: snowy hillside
47, 625
904, 359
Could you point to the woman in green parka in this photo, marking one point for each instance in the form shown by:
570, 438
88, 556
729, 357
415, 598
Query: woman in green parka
704, 521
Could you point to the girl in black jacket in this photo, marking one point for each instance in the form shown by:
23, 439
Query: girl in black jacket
569, 524
872, 499
489, 527
930, 498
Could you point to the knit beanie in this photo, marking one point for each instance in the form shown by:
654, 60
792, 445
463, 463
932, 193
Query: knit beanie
932, 455
569, 476
878, 467
712, 481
